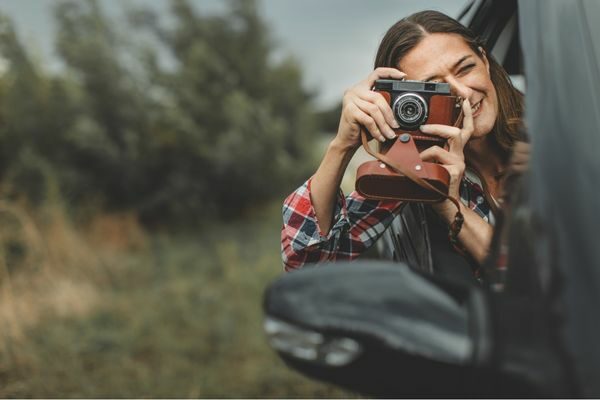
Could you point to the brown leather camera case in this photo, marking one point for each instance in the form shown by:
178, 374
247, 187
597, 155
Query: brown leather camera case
399, 173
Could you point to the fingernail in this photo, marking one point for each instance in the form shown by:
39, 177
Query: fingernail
423, 127
395, 125
381, 139
390, 134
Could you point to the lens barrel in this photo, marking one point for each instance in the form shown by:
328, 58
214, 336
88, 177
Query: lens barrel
410, 110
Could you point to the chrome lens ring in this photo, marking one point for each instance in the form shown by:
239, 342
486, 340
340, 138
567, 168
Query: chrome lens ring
410, 110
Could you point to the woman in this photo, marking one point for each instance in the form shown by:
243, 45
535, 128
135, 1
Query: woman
321, 225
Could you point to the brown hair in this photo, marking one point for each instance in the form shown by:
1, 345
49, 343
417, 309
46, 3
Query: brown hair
407, 33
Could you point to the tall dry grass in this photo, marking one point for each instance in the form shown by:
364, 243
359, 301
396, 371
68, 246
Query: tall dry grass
105, 309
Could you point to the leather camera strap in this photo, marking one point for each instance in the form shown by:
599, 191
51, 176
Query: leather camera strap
405, 171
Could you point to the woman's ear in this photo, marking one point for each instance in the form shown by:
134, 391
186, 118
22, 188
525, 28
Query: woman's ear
484, 58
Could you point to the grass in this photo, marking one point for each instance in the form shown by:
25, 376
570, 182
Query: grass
108, 310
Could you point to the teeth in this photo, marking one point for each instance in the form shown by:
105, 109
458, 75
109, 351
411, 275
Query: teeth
476, 107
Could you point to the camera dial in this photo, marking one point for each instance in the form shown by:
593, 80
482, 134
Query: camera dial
410, 110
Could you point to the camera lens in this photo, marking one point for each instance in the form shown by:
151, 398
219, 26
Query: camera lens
410, 110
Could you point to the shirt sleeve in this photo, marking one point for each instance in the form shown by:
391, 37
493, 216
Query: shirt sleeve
357, 224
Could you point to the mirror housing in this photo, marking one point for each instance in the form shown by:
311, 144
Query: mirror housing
384, 330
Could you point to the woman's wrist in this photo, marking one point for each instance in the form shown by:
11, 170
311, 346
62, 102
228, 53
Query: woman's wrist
326, 181
447, 210
342, 147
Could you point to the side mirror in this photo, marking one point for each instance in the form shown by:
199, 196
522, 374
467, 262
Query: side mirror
384, 330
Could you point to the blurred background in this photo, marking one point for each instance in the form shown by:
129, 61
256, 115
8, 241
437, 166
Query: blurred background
145, 150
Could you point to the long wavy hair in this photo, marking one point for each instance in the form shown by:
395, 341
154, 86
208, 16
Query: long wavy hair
407, 33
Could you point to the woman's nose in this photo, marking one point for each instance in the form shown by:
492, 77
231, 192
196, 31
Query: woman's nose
460, 89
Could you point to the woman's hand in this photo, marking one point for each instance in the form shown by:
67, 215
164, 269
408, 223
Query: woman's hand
451, 157
363, 106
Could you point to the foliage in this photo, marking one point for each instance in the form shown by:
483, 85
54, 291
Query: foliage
105, 307
216, 128
90, 315
329, 118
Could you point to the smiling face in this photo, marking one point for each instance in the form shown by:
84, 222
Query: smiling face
446, 57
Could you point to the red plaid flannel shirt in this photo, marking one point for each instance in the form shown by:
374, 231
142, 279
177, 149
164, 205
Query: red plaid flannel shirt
357, 224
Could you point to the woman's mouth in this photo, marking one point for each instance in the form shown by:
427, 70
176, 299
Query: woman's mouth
476, 109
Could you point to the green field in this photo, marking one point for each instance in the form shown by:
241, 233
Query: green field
107, 310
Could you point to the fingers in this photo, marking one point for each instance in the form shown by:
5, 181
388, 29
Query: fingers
456, 174
453, 163
384, 106
384, 72
362, 106
364, 92
443, 131
457, 137
367, 121
375, 112
468, 127
439, 155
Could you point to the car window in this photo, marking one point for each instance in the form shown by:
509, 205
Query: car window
496, 23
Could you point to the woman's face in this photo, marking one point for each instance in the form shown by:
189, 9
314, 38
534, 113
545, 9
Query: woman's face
446, 57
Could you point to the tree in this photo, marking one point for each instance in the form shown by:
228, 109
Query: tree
245, 123
219, 129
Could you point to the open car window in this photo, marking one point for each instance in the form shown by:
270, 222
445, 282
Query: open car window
497, 24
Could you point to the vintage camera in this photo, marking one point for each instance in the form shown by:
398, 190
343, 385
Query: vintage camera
413, 103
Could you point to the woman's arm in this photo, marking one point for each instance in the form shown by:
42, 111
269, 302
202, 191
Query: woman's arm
475, 234
326, 181
318, 223
356, 225
361, 107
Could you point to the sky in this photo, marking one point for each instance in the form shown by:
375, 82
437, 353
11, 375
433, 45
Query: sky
334, 40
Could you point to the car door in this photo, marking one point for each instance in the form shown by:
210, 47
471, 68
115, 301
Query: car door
561, 43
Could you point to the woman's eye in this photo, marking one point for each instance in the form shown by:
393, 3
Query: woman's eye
466, 69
